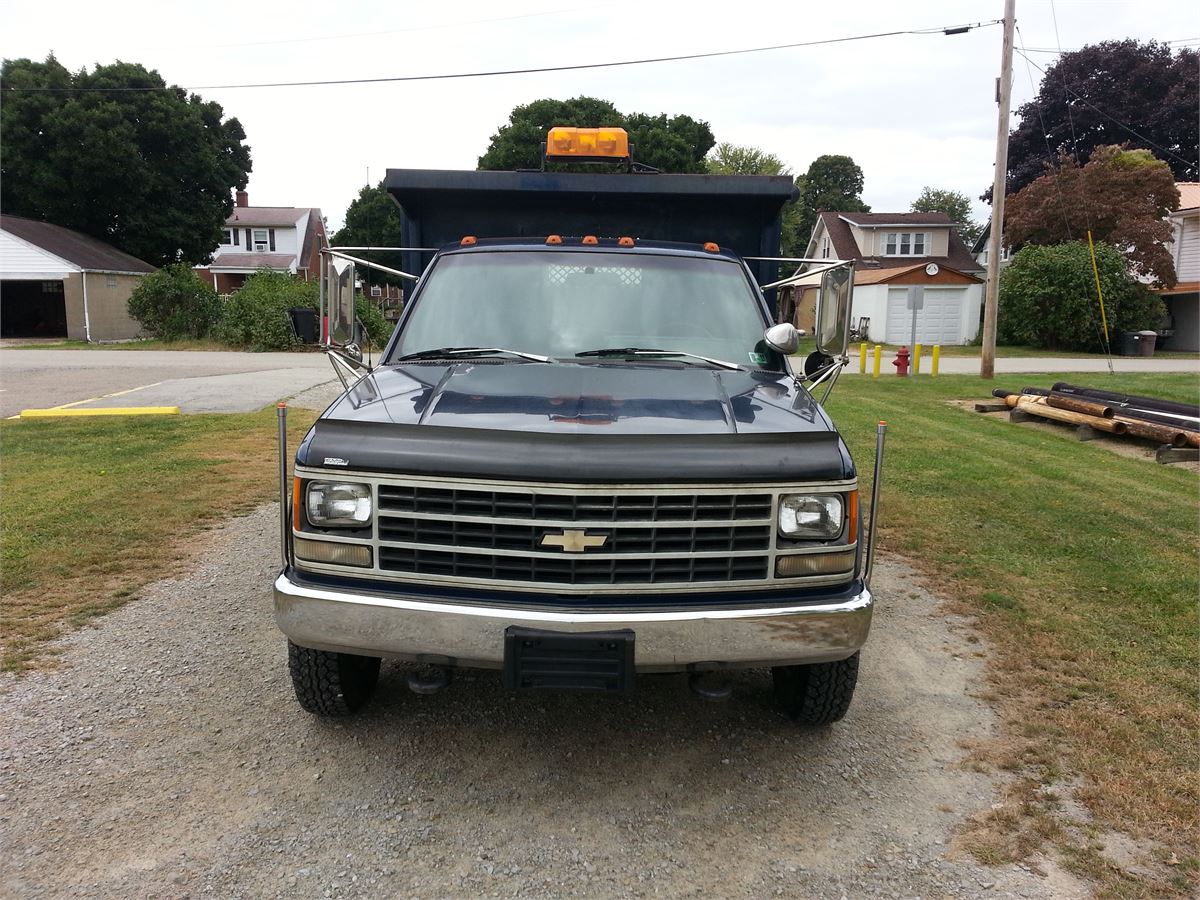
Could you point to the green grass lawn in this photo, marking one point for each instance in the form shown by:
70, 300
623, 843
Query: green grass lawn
1082, 567
973, 350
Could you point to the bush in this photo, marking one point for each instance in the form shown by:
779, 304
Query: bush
377, 328
1048, 298
174, 303
256, 317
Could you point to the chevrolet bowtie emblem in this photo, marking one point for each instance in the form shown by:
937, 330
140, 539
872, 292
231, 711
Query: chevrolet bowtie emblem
574, 541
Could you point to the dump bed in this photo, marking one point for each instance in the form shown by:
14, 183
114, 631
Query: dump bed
740, 212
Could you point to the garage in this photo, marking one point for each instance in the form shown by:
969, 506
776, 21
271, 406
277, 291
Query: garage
33, 309
941, 321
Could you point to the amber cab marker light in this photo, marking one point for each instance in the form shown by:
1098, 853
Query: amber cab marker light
590, 240
554, 239
711, 247
296, 504
625, 242
467, 241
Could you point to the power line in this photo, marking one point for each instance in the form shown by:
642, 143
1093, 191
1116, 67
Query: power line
529, 71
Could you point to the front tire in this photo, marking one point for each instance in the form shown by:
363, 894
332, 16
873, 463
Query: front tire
331, 684
819, 693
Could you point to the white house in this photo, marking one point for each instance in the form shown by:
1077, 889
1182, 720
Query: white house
282, 238
893, 251
1183, 300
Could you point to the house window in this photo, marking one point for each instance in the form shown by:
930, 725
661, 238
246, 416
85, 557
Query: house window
226, 238
907, 243
52, 287
261, 240
825, 248
110, 281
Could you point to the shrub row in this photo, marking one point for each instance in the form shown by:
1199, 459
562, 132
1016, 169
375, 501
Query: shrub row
173, 303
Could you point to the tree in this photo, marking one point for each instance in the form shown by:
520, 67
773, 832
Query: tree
832, 182
1100, 95
173, 303
1048, 298
954, 204
1121, 196
675, 144
732, 159
117, 154
373, 220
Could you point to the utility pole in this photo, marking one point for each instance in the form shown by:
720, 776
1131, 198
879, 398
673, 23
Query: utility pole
987, 360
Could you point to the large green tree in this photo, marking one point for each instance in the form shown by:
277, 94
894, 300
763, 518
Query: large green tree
1113, 92
735, 159
954, 204
832, 182
1121, 196
117, 154
373, 220
670, 143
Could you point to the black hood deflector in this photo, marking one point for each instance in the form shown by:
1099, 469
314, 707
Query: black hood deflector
574, 457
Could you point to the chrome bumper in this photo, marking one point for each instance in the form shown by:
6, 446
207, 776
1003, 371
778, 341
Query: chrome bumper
473, 635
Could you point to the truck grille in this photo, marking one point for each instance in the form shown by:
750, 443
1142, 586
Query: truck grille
648, 538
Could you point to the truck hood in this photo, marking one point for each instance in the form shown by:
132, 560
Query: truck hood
573, 423
603, 398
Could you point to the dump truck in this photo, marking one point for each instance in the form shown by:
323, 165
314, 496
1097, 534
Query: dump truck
587, 453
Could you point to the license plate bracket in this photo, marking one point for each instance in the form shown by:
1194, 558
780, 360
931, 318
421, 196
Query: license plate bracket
590, 661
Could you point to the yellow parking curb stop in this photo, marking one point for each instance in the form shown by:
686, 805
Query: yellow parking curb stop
102, 411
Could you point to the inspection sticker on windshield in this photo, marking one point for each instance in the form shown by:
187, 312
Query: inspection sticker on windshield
758, 359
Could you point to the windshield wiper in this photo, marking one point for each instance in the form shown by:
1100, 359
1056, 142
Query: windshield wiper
649, 351
450, 352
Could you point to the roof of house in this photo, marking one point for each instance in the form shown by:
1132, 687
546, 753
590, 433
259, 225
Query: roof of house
845, 247
879, 220
240, 261
258, 216
82, 250
1189, 194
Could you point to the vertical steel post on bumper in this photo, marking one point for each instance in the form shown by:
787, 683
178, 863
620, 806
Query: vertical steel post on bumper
876, 482
285, 513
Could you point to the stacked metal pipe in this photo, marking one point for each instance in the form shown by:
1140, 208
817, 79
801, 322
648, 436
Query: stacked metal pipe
1165, 421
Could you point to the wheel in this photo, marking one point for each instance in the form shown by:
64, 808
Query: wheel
331, 684
819, 693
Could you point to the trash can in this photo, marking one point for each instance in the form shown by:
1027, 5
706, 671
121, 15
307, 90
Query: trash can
1148, 340
1130, 344
304, 323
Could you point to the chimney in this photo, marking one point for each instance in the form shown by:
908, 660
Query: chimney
243, 199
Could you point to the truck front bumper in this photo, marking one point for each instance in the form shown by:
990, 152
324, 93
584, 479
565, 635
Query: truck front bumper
462, 634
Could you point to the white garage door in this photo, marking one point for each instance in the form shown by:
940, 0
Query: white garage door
940, 322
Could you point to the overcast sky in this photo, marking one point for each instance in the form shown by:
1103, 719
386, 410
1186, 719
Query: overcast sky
912, 110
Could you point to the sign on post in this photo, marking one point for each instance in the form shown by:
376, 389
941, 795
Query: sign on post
916, 302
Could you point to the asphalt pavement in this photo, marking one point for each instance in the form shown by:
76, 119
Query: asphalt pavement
196, 382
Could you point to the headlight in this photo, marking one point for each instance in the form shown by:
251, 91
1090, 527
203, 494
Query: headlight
810, 516
334, 503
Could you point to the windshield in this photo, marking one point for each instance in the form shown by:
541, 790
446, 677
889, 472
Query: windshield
560, 303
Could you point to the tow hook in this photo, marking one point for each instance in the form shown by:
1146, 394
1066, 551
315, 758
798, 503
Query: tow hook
430, 679
707, 681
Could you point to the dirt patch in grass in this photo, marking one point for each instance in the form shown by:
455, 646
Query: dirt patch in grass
92, 510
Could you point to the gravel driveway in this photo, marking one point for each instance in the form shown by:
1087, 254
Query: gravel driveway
167, 758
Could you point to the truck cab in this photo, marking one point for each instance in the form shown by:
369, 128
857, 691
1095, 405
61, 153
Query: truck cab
580, 458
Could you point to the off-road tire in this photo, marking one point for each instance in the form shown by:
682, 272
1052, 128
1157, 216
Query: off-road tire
816, 694
331, 684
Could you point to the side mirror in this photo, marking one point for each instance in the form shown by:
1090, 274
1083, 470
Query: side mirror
341, 301
833, 311
785, 338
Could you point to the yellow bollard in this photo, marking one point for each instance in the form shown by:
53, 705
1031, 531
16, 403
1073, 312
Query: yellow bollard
862, 358
916, 367
878, 357
937, 353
